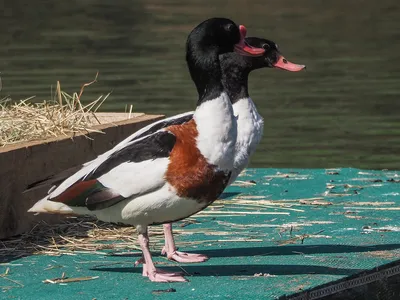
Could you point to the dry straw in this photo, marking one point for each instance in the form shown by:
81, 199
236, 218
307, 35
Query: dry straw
74, 236
63, 116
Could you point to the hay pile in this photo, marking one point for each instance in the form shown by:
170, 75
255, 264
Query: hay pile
65, 115
75, 236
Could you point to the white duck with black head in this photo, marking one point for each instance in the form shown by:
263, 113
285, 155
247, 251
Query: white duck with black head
171, 173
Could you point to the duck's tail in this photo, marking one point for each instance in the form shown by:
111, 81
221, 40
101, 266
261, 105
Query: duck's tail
50, 207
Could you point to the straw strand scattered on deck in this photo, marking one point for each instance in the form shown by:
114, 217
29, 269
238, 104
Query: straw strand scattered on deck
80, 235
87, 235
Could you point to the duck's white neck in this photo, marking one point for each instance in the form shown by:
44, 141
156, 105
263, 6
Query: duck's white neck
217, 131
245, 109
249, 132
250, 126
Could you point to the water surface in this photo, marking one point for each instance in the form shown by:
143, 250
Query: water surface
343, 111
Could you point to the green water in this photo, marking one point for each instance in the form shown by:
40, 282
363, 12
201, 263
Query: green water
343, 111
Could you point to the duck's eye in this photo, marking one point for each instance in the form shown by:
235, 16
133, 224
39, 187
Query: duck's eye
266, 47
228, 27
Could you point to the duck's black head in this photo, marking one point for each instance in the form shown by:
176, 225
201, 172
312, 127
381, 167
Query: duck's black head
236, 68
272, 58
208, 40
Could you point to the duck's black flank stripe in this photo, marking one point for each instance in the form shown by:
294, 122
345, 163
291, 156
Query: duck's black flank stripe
154, 146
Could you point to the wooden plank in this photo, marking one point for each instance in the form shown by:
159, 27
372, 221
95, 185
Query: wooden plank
24, 163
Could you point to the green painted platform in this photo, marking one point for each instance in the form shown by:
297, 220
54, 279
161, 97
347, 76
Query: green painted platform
318, 230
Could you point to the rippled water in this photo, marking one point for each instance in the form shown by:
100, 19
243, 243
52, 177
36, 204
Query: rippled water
343, 111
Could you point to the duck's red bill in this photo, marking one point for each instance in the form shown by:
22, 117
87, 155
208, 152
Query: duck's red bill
243, 48
284, 64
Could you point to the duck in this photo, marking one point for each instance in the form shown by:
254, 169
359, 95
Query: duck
235, 72
250, 124
174, 172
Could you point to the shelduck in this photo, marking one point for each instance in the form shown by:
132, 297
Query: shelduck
250, 124
235, 72
174, 172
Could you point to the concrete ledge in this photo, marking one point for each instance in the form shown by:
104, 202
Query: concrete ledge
24, 163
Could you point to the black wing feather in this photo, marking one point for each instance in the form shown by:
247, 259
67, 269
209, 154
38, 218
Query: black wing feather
60, 177
53, 179
164, 124
157, 145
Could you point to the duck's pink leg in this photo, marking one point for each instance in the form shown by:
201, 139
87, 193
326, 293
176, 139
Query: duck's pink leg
149, 269
170, 249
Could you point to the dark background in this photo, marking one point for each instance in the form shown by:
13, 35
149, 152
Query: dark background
343, 111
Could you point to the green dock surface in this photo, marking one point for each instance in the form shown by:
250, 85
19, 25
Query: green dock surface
299, 234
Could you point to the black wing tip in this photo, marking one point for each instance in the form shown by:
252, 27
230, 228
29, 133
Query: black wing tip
37, 185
